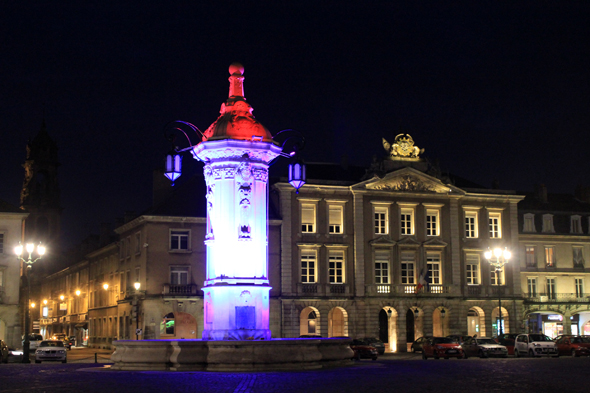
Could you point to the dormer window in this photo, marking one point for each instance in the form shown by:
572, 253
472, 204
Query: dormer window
548, 223
529, 223
576, 224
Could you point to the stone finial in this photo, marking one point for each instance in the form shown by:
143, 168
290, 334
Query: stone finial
236, 80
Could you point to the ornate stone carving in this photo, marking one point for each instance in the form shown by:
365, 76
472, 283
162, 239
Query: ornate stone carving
210, 198
260, 174
405, 183
403, 146
244, 184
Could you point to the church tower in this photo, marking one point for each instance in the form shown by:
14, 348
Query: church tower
40, 195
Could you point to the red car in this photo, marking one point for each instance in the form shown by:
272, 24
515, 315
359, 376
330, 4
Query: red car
363, 350
442, 347
573, 345
507, 339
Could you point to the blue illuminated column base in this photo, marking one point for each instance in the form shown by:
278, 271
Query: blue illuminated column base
236, 312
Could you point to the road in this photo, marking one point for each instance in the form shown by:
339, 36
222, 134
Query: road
391, 373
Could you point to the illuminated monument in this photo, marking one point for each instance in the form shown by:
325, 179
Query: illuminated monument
236, 150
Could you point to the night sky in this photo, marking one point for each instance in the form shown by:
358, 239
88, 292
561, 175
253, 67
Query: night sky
494, 90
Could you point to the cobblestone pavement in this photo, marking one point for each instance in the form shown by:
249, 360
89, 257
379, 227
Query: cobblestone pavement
395, 373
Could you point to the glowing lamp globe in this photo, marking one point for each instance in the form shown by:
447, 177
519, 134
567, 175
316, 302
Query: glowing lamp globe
173, 166
297, 174
137, 285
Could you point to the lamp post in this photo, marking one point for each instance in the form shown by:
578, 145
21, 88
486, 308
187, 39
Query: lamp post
136, 285
497, 259
18, 250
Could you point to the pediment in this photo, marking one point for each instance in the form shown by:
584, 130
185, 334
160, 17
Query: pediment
435, 242
382, 241
408, 241
408, 180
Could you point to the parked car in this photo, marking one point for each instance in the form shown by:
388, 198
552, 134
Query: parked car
375, 342
4, 351
483, 347
417, 345
441, 347
71, 341
507, 340
34, 340
459, 338
573, 345
51, 350
362, 350
64, 338
534, 345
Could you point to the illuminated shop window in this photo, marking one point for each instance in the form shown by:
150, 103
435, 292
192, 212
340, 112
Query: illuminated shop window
335, 219
472, 269
495, 224
308, 218
308, 266
380, 220
179, 240
432, 222
167, 325
336, 267
408, 262
471, 224
382, 266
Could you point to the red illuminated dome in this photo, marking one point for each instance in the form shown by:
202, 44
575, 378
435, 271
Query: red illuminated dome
236, 120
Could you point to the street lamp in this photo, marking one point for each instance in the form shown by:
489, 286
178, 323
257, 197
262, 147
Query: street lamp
136, 285
18, 250
497, 259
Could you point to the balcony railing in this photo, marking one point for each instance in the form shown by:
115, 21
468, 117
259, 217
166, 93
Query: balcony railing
317, 289
406, 289
180, 290
553, 297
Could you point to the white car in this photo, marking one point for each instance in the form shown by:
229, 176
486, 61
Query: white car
483, 347
51, 350
34, 340
534, 345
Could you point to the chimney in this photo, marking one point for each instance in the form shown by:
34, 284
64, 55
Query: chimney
541, 193
161, 188
582, 193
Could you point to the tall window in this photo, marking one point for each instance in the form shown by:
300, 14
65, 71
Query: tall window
178, 275
495, 225
308, 266
578, 256
335, 219
308, 218
576, 224
496, 277
380, 220
408, 263
532, 286
471, 224
382, 266
579, 282
548, 223
551, 288
549, 257
179, 239
1, 243
432, 222
407, 221
336, 267
529, 223
433, 262
529, 252
472, 269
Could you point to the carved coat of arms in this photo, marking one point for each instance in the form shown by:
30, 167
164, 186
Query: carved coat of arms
403, 146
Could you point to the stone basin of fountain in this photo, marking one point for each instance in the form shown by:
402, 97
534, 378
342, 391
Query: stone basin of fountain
229, 355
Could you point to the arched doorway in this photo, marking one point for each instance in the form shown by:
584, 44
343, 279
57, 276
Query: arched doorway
410, 326
440, 322
309, 322
337, 322
476, 322
388, 328
496, 321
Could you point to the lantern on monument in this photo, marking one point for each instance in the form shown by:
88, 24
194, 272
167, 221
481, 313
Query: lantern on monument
173, 166
297, 174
